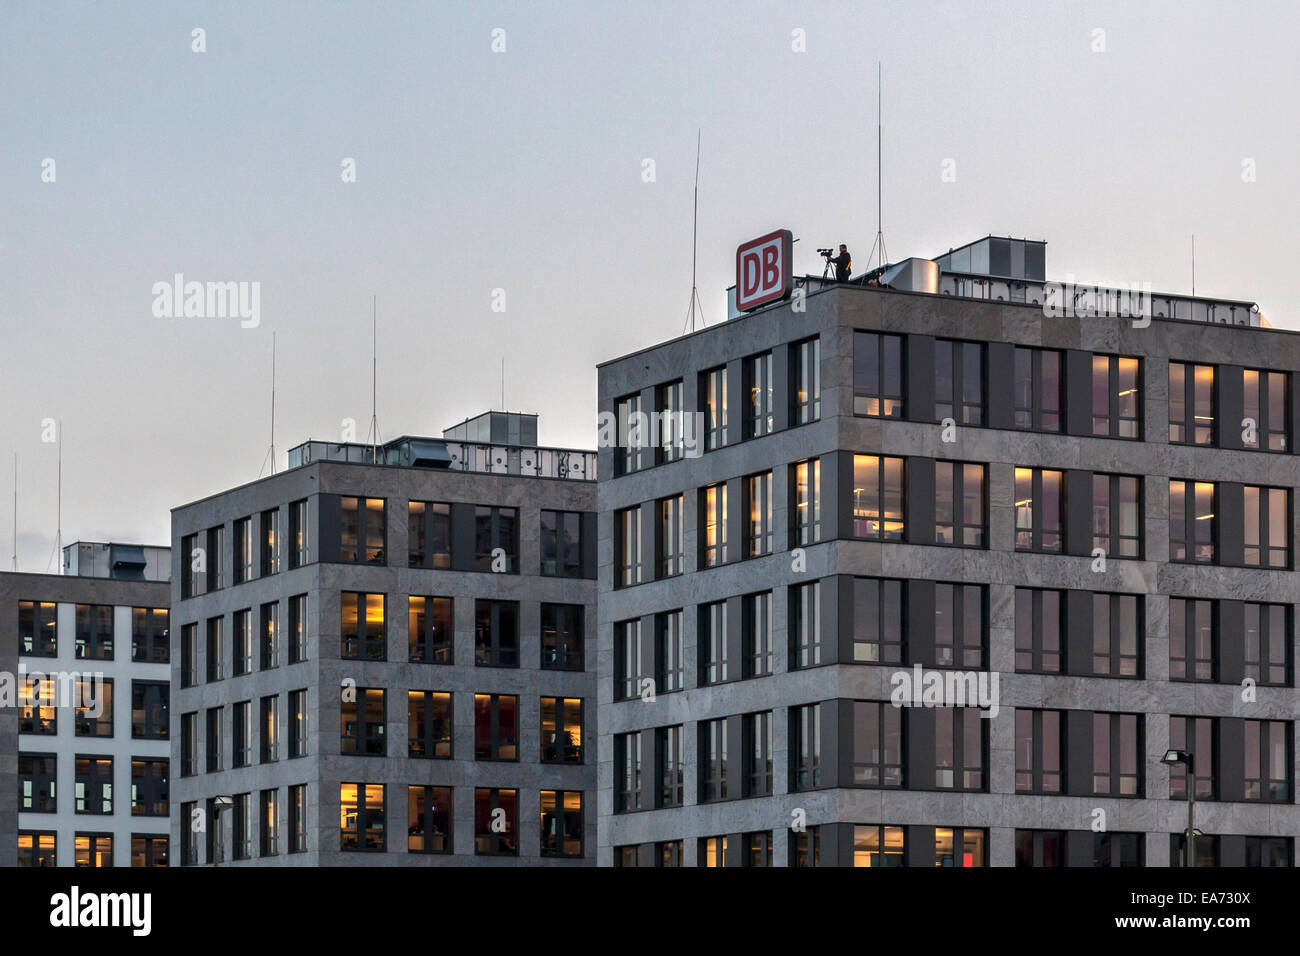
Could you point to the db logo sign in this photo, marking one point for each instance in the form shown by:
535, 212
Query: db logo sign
763, 271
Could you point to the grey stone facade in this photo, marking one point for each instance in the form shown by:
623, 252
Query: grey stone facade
832, 315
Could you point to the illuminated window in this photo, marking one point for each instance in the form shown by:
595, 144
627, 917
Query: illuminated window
1116, 397
429, 629
148, 850
712, 851
806, 847
1191, 404
429, 724
1266, 404
877, 846
93, 850
806, 483
36, 849
496, 819
270, 720
561, 823
298, 818
297, 629
758, 386
362, 531
269, 823
561, 729
297, 723
363, 723
37, 710
270, 629
150, 637
38, 629
361, 816
758, 508
960, 846
1040, 506
878, 498
363, 636
93, 707
713, 512
270, 549
1192, 522
758, 848
429, 534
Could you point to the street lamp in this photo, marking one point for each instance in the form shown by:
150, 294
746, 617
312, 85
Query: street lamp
1173, 758
219, 803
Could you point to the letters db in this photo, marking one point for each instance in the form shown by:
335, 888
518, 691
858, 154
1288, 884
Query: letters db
763, 270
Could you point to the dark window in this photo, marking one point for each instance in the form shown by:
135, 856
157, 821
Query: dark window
670, 404
496, 727
627, 546
241, 731
1192, 522
1194, 639
806, 847
562, 637
713, 760
1117, 849
361, 807
1117, 755
627, 659
496, 539
363, 723
959, 382
670, 673
713, 519
428, 828
1118, 634
561, 729
1268, 761
149, 787
213, 558
149, 703
1116, 397
627, 772
429, 724
758, 508
428, 531
429, 629
628, 455
1266, 403
1207, 850
806, 503
94, 784
1040, 505
1040, 751
298, 818
669, 543
189, 655
1038, 389
806, 749
960, 516
713, 398
960, 625
758, 386
1268, 644
668, 747
213, 748
270, 722
270, 550
712, 643
1267, 527
1040, 848
363, 532
94, 637
562, 544
1268, 851
363, 634
148, 850
297, 629
806, 381
496, 821
150, 635
216, 656
299, 540
1191, 404
877, 621
297, 723
878, 498
189, 547
877, 375
189, 738
243, 567
37, 777
561, 823
758, 848
756, 634
1117, 515
1040, 624
1197, 736
877, 744
242, 658
757, 734
270, 630
805, 625
38, 629
496, 633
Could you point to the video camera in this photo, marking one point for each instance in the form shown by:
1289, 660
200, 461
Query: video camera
825, 252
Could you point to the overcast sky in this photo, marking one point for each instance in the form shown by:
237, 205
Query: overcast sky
1114, 131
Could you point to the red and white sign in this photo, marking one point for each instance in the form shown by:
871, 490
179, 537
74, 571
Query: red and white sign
763, 270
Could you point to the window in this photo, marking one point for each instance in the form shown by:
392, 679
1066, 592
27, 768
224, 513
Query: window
1191, 404
270, 717
1117, 755
713, 389
1266, 399
1192, 522
961, 846
1116, 397
94, 637
428, 530
806, 847
496, 818
758, 387
1268, 761
148, 850
877, 621
562, 637
806, 379
362, 723
1037, 388
150, 636
713, 511
877, 744
670, 672
959, 382
756, 634
670, 543
1040, 751
298, 818
562, 544
806, 756
1193, 639
1116, 849
496, 633
631, 440
189, 549
38, 629
1040, 848
877, 375
959, 625
668, 747
1040, 623
429, 724
93, 709
269, 817
149, 703
713, 760
363, 535
36, 849
213, 558
877, 498
496, 727
496, 539
216, 657
297, 723
37, 710
429, 629
758, 848
189, 655
626, 857
37, 776
93, 850
297, 629
243, 550
959, 510
758, 506
805, 625
756, 732
189, 839
243, 639
361, 810
1267, 527
712, 643
1268, 851
428, 824
149, 788
1039, 508
806, 482
1268, 644
189, 738
213, 748
94, 784
270, 628
299, 540
1117, 515
627, 530
877, 846
363, 637
1196, 735
671, 406
627, 659
270, 550
241, 734
711, 851
561, 823
561, 729
1118, 633
627, 772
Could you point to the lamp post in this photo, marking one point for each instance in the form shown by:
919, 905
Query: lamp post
1173, 758
219, 803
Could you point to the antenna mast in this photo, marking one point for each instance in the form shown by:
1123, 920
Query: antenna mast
1193, 264
695, 241
59, 546
271, 453
15, 511
880, 230
374, 377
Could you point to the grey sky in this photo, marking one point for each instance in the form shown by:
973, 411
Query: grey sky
522, 171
